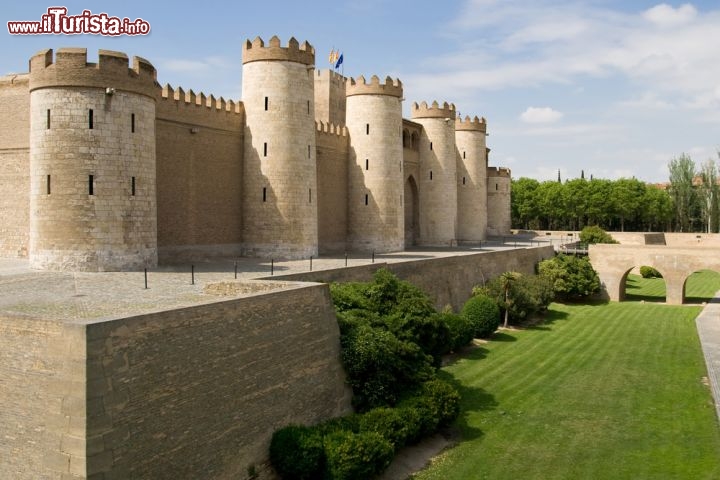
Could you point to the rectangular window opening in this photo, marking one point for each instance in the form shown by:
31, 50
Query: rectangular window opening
496, 186
463, 154
132, 186
266, 103
463, 180
366, 199
48, 119
132, 123
90, 119
308, 106
430, 145
430, 174
309, 195
367, 164
91, 185
264, 194
265, 149
309, 151
47, 188
367, 129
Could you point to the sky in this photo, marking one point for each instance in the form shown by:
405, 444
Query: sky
614, 88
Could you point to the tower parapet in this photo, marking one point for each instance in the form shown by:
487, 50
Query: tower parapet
476, 124
391, 87
256, 51
435, 110
112, 72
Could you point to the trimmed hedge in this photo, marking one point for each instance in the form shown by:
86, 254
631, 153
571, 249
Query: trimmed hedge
483, 313
649, 272
356, 456
298, 453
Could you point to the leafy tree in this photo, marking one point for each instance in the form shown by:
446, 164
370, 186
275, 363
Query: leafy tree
576, 201
507, 281
571, 277
657, 209
682, 171
627, 193
524, 204
708, 193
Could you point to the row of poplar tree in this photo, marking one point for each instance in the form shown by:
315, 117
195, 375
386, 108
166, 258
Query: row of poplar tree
688, 203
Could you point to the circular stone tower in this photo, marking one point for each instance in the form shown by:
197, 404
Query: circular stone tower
472, 179
279, 172
498, 201
92, 162
437, 185
376, 216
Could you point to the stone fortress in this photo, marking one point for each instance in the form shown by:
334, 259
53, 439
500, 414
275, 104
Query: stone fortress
103, 169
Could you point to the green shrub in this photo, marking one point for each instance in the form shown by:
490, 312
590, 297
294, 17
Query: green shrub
380, 366
483, 313
297, 453
460, 329
394, 424
595, 234
529, 295
445, 399
356, 456
571, 277
649, 272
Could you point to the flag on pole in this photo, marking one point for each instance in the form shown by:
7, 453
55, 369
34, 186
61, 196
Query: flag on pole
333, 57
339, 61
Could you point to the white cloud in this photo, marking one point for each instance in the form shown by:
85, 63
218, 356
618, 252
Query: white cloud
540, 115
665, 15
647, 101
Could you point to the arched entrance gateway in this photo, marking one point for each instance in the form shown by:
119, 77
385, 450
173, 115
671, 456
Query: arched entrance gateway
412, 215
614, 262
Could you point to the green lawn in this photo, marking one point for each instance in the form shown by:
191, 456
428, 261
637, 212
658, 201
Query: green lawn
700, 287
609, 391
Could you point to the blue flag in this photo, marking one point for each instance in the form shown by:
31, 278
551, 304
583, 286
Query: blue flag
339, 61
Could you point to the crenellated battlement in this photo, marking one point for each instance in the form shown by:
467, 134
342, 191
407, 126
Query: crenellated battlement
446, 111
168, 93
331, 129
476, 124
391, 87
70, 68
498, 172
256, 51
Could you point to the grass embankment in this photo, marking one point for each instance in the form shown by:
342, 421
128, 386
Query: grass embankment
611, 391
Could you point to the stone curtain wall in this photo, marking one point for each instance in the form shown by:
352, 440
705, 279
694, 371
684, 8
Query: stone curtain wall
14, 166
42, 399
448, 280
197, 392
199, 176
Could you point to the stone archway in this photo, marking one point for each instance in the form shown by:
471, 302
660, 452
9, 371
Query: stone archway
412, 214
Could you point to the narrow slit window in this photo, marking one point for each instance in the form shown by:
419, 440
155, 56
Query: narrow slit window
430, 174
265, 149
132, 123
309, 195
91, 119
132, 186
47, 188
463, 154
463, 180
266, 103
367, 129
496, 186
264, 194
48, 119
308, 107
366, 199
309, 151
367, 164
430, 145
91, 185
